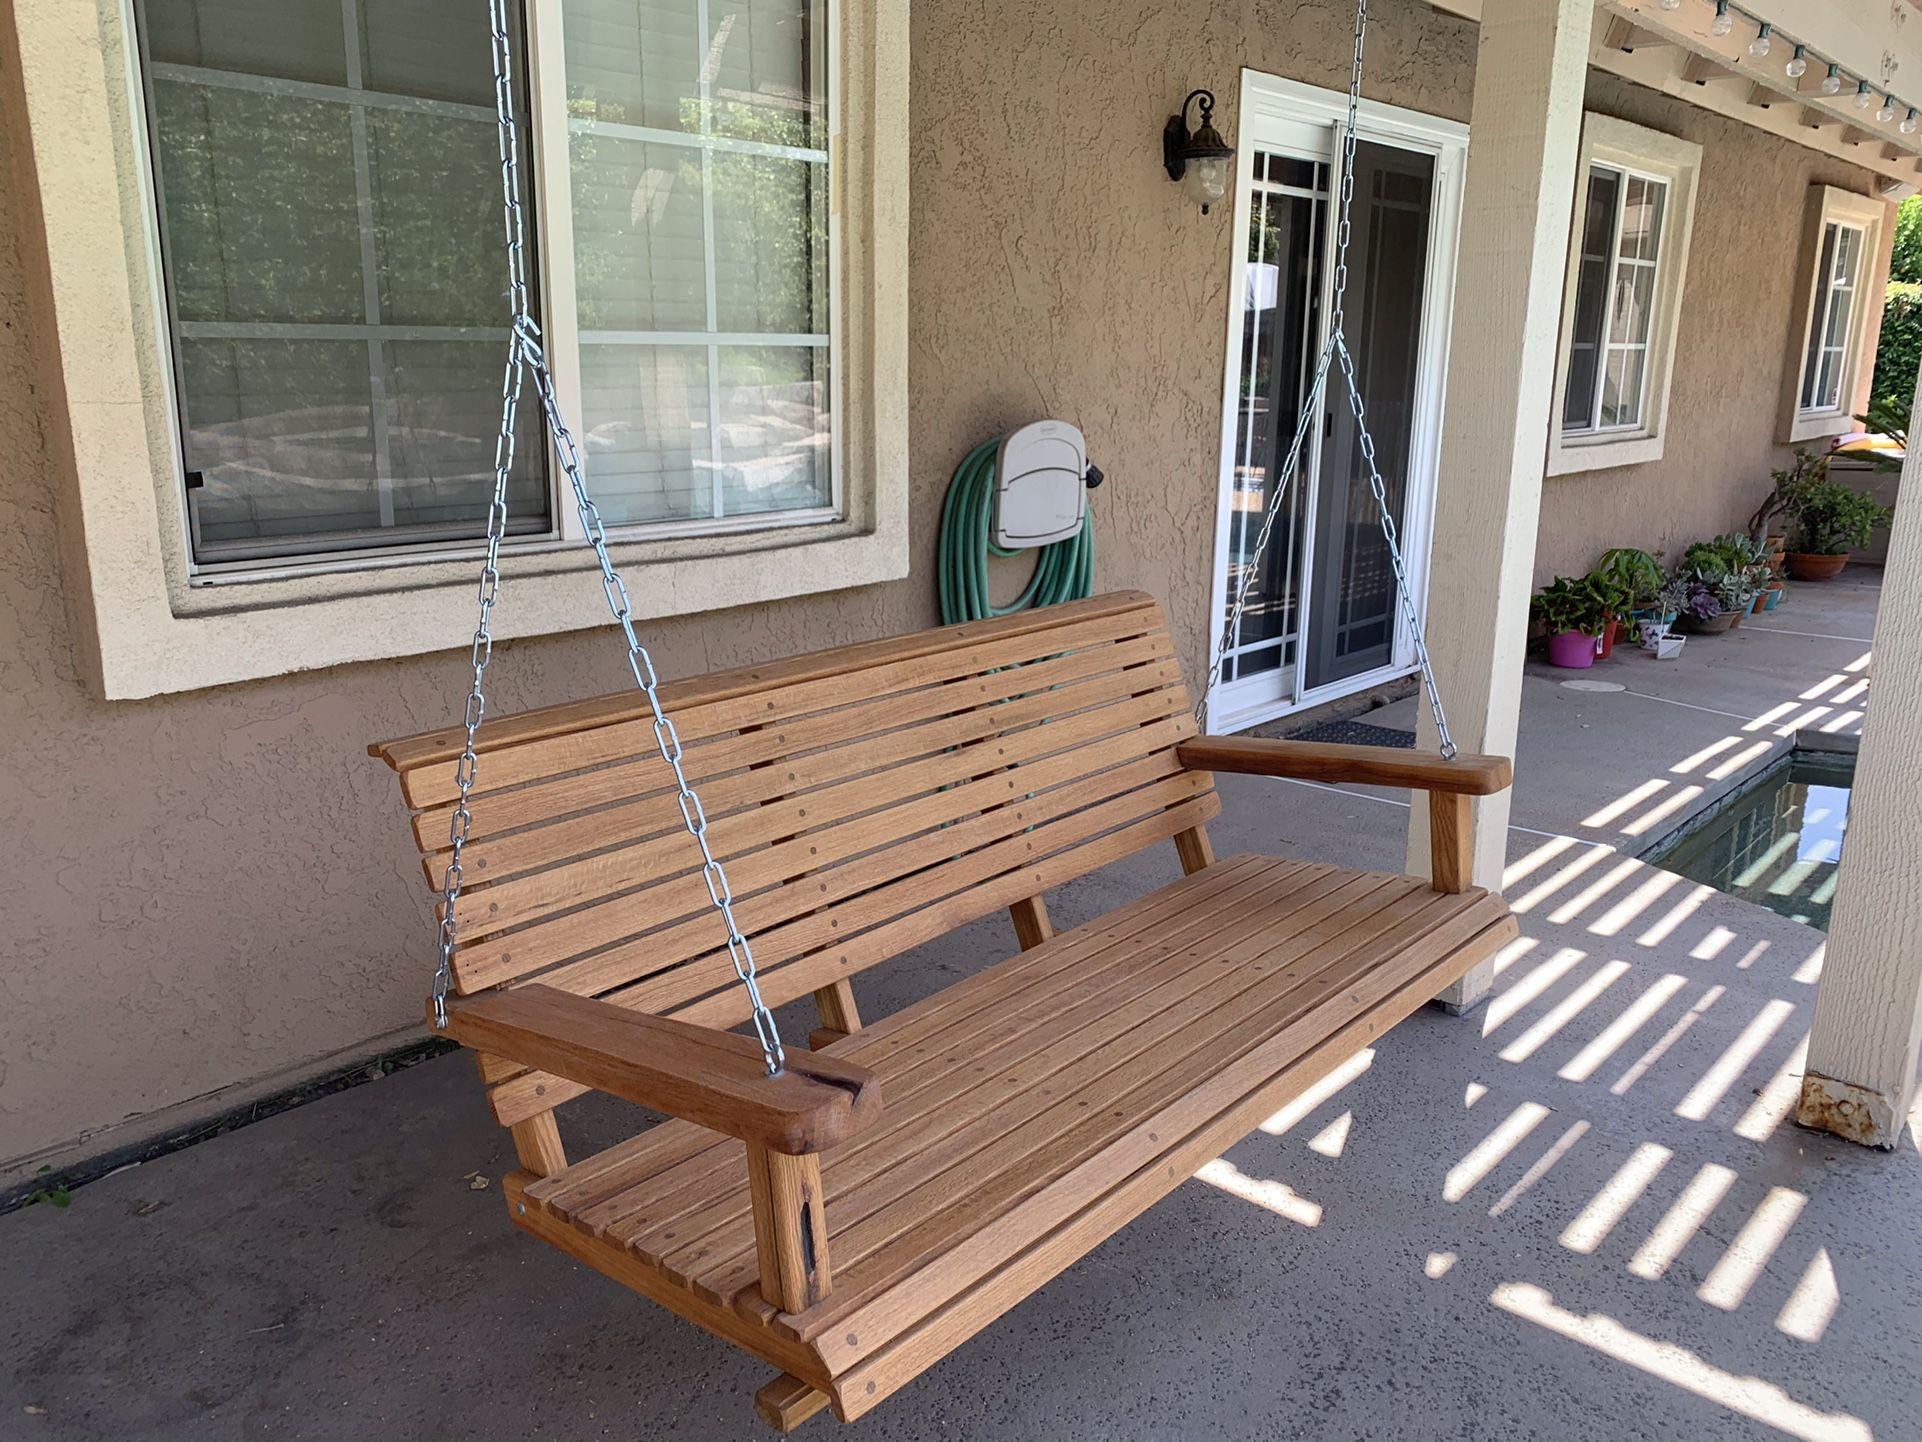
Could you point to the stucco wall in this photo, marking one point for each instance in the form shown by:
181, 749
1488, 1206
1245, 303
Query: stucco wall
1731, 347
214, 890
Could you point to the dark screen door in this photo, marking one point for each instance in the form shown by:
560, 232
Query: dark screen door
1352, 603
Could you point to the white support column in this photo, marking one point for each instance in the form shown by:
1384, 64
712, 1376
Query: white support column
1523, 136
1861, 1076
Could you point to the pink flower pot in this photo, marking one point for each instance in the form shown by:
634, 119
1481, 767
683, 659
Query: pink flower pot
1571, 649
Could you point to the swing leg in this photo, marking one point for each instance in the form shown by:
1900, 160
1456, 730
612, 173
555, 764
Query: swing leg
787, 1402
840, 1018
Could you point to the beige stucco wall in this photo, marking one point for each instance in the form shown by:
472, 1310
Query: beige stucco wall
215, 890
1732, 346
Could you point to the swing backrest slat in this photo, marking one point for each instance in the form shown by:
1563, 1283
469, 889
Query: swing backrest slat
864, 799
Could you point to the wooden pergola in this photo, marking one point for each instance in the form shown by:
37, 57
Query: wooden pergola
1526, 123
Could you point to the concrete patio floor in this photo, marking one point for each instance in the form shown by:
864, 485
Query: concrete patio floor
1577, 1212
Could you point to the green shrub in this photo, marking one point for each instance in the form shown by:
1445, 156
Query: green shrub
1899, 355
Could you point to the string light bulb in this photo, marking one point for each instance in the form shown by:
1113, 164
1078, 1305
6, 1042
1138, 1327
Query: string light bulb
1832, 82
1887, 112
1798, 65
1863, 100
1723, 22
1671, 4
1759, 46
1909, 122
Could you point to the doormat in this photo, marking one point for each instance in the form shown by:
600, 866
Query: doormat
1358, 733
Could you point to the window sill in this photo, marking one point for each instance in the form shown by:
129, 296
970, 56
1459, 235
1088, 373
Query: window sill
1572, 458
1819, 427
214, 637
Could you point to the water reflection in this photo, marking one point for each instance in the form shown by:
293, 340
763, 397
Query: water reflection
1777, 843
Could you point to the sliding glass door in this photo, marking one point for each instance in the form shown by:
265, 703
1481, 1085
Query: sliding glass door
1321, 615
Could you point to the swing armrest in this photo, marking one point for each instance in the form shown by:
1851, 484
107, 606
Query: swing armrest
715, 1079
1465, 775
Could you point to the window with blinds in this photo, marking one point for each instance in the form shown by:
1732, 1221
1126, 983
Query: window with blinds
697, 152
327, 188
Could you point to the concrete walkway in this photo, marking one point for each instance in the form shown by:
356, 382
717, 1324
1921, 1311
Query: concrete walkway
1577, 1213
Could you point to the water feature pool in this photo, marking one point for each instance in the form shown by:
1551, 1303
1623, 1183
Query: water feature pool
1776, 842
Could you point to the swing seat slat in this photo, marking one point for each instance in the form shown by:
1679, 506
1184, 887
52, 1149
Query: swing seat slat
867, 800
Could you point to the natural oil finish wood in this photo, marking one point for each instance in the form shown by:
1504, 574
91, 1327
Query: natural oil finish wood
790, 1228
786, 1402
1194, 849
1031, 924
1451, 840
865, 801
713, 1078
835, 1004
1365, 765
537, 1143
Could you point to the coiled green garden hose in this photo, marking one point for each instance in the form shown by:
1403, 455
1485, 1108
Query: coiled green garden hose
1063, 571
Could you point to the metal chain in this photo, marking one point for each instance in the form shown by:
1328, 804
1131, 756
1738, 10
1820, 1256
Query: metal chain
1337, 347
527, 360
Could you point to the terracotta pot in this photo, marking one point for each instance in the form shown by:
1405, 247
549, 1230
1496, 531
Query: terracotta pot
1606, 647
1714, 625
1759, 604
1807, 566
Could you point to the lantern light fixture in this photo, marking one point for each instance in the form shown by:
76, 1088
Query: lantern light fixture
1197, 158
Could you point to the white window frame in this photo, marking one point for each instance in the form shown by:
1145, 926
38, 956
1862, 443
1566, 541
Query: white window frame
1614, 262
1633, 151
1868, 216
152, 623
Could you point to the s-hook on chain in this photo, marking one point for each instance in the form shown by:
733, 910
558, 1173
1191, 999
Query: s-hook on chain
527, 360
1336, 348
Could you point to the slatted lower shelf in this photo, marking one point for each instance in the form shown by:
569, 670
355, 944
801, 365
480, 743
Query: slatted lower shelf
1033, 1108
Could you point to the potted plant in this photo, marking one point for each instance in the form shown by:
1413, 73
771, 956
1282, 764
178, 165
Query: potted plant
1665, 610
1668, 606
1735, 567
1617, 602
1770, 523
1702, 610
1829, 519
1822, 517
1637, 577
1573, 611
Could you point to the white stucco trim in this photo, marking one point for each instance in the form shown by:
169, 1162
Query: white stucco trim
1827, 205
1679, 162
146, 631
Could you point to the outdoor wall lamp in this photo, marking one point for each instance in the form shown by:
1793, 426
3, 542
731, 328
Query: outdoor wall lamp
1197, 158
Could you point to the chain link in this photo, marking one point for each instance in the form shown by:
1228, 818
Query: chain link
526, 360
1335, 348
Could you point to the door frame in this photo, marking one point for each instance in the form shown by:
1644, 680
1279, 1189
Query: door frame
1271, 104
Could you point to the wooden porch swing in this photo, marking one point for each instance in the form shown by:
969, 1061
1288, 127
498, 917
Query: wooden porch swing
853, 804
